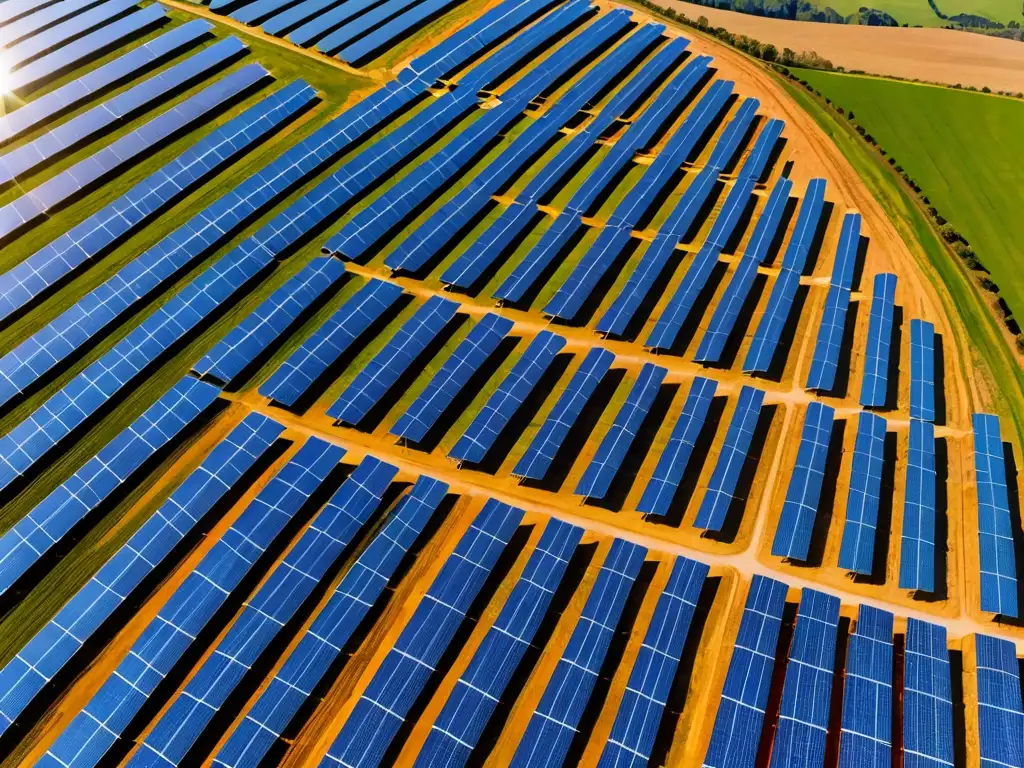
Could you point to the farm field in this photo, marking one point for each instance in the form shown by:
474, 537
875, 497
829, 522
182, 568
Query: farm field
494, 383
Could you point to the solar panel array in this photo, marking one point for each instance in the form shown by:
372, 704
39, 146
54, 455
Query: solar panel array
856, 553
407, 668
1000, 713
866, 738
552, 727
917, 545
875, 385
800, 509
922, 370
997, 556
927, 697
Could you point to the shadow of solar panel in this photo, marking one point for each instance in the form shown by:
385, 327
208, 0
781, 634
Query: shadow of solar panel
927, 697
866, 736
857, 551
536, 462
995, 524
740, 717
721, 492
917, 547
780, 302
654, 671
296, 374
84, 492
664, 483
18, 54
383, 371
290, 582
599, 474
1000, 715
922, 370
553, 725
807, 692
320, 646
875, 385
796, 523
406, 669
482, 433
88, 737
458, 727
53, 647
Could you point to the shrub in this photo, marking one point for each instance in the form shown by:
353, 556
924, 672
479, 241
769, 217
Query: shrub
988, 284
949, 234
1020, 342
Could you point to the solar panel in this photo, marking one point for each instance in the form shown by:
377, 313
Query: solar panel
725, 148
765, 345
796, 523
364, 25
253, 13
316, 26
374, 43
927, 697
458, 727
917, 548
1000, 714
182, 722
857, 551
995, 524
664, 483
536, 462
284, 21
807, 692
26, 26
322, 643
654, 671
18, 54
599, 474
553, 725
481, 434
875, 385
12, 10
57, 643
721, 492
866, 736
740, 717
922, 370
296, 374
480, 343
388, 365
408, 667
88, 737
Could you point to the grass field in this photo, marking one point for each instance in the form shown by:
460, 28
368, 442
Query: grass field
962, 148
918, 13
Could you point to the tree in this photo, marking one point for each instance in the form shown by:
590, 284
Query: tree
949, 234
769, 52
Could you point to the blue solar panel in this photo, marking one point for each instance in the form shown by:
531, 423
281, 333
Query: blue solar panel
12, 10
1000, 714
316, 26
56, 190
917, 548
481, 434
536, 462
409, 665
807, 692
269, 321
866, 736
471, 703
995, 524
374, 43
83, 493
18, 54
664, 483
740, 717
252, 13
875, 385
54, 646
272, 606
553, 725
479, 344
721, 492
88, 737
296, 374
284, 21
796, 523
367, 24
599, 474
725, 148
321, 645
927, 698
31, 24
856, 553
828, 348
654, 672
715, 338
388, 365
922, 370
794, 261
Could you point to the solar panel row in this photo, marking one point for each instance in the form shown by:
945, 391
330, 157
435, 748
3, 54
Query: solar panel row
321, 645
46, 16
469, 707
866, 736
253, 13
289, 17
1000, 714
875, 385
995, 524
19, 54
917, 546
927, 697
90, 734
57, 643
386, 35
407, 668
922, 370
552, 727
368, 26
856, 553
273, 605
316, 26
